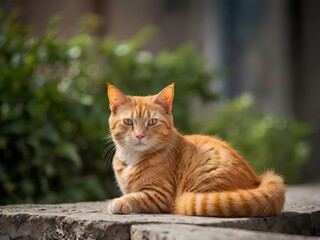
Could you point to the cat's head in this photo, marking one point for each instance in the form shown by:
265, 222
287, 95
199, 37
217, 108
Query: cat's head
140, 124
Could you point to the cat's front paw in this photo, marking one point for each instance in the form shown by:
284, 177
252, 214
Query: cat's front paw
119, 206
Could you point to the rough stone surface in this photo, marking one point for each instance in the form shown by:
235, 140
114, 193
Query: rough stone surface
90, 220
182, 232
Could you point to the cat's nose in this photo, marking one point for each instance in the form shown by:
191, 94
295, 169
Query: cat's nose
140, 136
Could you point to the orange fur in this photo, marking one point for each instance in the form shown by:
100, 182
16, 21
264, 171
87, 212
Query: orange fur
161, 171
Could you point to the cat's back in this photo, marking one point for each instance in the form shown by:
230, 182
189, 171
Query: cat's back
202, 145
207, 160
199, 140
203, 150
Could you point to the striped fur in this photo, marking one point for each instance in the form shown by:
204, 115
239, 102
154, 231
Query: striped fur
166, 172
265, 200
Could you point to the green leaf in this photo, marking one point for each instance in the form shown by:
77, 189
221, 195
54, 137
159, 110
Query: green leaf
69, 151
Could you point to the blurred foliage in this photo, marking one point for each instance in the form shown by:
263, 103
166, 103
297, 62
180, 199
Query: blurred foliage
266, 141
54, 110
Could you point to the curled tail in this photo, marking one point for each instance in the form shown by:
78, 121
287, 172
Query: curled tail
265, 200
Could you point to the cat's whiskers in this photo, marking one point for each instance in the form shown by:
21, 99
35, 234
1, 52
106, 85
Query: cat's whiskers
171, 158
107, 138
107, 149
164, 143
110, 151
127, 153
126, 150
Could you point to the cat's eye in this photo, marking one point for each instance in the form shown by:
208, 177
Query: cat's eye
152, 122
128, 121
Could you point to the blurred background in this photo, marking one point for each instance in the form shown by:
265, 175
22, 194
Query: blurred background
245, 70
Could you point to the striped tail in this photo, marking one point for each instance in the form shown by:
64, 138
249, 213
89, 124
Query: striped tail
266, 200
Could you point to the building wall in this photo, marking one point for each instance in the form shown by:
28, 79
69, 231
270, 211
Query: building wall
306, 76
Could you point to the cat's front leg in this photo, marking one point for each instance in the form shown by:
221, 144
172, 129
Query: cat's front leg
140, 202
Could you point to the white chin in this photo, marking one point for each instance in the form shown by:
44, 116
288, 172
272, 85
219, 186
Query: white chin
140, 147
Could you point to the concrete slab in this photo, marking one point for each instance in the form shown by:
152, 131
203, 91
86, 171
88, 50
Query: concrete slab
90, 220
183, 232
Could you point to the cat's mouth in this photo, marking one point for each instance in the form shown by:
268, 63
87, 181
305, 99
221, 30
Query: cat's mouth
140, 144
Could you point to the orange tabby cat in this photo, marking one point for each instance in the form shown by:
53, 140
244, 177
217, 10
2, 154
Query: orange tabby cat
161, 171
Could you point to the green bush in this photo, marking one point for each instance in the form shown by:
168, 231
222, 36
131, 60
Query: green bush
54, 110
266, 141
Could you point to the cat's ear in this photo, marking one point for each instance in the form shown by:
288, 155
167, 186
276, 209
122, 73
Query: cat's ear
165, 98
116, 98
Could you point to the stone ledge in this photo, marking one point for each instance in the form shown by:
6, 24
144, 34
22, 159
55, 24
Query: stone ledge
90, 220
182, 232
